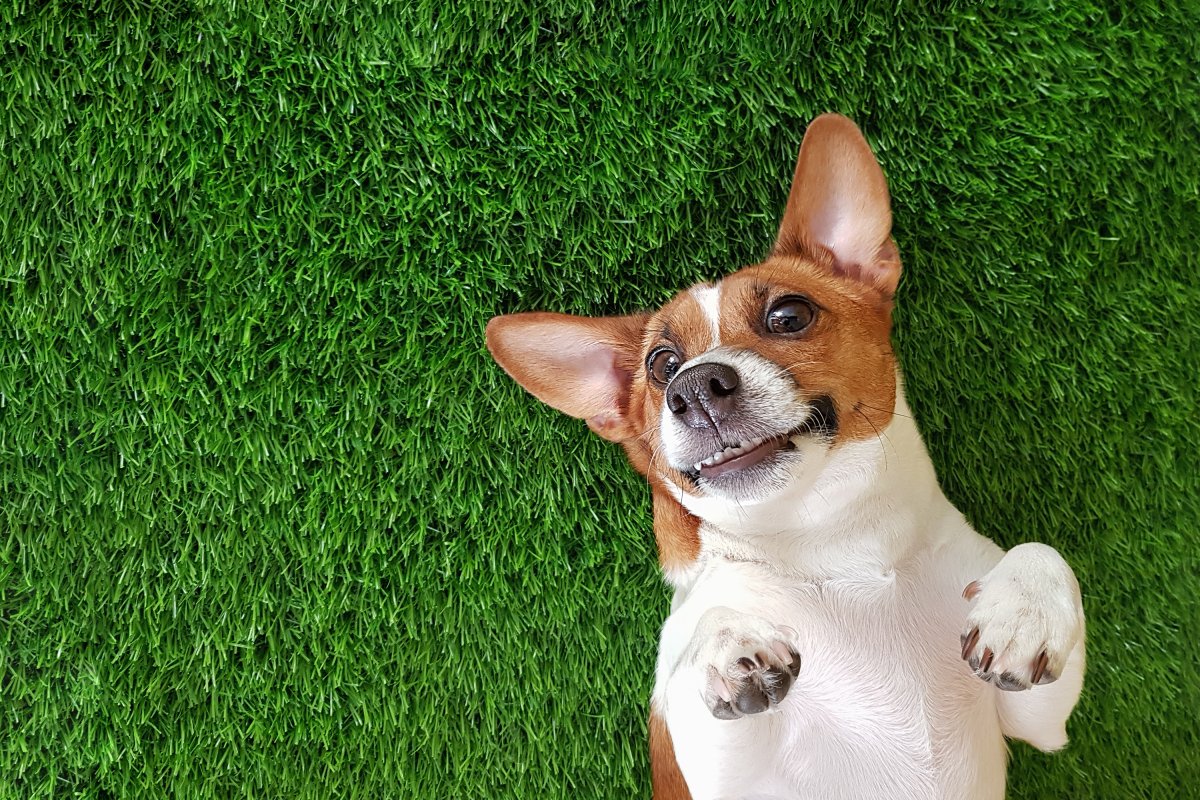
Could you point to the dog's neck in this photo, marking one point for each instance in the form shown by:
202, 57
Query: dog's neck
872, 504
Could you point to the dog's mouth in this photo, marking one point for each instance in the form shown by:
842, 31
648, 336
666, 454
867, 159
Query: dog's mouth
741, 456
822, 421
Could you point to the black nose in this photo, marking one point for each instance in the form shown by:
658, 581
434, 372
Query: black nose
704, 394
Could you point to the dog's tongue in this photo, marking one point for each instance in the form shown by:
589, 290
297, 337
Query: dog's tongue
747, 459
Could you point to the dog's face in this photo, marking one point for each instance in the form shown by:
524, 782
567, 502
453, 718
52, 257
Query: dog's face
747, 383
741, 388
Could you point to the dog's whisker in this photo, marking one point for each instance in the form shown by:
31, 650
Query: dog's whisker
820, 370
878, 436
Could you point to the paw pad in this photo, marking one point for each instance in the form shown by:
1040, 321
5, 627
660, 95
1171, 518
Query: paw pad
752, 684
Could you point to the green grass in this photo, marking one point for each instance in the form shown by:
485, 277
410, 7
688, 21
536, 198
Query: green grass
273, 525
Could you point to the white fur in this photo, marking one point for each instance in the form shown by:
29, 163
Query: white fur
863, 558
709, 300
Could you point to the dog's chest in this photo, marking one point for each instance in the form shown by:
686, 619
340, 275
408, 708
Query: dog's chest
879, 651
880, 682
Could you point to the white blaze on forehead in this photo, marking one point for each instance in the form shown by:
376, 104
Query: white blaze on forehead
709, 300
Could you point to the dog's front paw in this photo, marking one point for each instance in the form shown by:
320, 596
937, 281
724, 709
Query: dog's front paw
1026, 619
750, 670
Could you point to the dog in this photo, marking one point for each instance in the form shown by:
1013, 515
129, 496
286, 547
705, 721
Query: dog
838, 629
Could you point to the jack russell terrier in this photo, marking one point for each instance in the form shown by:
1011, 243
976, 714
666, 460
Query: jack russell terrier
838, 630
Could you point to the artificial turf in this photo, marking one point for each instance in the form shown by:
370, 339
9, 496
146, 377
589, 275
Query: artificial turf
273, 524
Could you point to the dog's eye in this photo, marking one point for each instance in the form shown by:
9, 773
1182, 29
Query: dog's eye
791, 315
662, 365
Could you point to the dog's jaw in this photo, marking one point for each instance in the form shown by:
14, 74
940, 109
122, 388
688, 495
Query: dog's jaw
814, 524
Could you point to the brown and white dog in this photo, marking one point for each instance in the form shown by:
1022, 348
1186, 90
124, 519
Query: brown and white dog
838, 630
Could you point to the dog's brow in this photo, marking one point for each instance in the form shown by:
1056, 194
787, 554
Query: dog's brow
665, 333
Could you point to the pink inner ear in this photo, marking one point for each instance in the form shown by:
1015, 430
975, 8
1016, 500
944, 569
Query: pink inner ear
839, 200
838, 226
601, 377
574, 364
844, 215
855, 246
604, 383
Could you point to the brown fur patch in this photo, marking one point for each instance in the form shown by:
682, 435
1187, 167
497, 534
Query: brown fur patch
676, 531
665, 777
686, 326
846, 353
682, 325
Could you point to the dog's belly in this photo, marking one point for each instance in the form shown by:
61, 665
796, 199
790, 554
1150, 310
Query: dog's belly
882, 705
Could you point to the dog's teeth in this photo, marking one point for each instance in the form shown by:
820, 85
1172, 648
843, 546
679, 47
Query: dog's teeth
729, 453
698, 465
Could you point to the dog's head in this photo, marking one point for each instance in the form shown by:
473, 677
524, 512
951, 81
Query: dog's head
742, 388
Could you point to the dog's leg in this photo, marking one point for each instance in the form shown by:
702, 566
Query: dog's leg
717, 691
1025, 635
666, 779
741, 663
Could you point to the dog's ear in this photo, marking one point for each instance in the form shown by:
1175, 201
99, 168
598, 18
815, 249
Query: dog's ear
839, 204
582, 366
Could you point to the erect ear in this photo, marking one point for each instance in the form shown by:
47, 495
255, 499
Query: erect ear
839, 204
582, 366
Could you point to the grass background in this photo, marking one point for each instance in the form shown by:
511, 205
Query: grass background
273, 525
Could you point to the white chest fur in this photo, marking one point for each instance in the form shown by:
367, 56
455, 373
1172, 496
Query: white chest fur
880, 701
